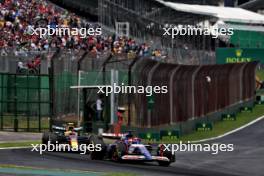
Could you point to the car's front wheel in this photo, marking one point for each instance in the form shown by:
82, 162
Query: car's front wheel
168, 154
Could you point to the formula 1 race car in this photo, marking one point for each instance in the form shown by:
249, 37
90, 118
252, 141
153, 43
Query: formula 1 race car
65, 135
130, 148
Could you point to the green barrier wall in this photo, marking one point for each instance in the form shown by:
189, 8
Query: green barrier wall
245, 39
238, 55
26, 99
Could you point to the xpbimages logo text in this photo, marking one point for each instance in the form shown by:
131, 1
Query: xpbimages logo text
43, 29
181, 30
56, 147
214, 148
125, 89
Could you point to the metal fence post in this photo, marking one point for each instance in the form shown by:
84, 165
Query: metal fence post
39, 103
79, 82
52, 88
28, 104
15, 120
104, 67
2, 94
51, 92
129, 84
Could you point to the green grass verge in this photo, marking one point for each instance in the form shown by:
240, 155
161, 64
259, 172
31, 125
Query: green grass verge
221, 127
14, 166
18, 144
25, 170
24, 122
34, 168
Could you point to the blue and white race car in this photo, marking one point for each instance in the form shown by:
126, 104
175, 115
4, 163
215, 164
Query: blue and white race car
130, 148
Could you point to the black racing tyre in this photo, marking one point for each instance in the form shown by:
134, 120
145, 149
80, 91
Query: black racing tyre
97, 155
53, 138
167, 154
117, 151
45, 138
49, 137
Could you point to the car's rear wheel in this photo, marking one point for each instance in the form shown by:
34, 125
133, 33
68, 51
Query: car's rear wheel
97, 155
117, 151
45, 138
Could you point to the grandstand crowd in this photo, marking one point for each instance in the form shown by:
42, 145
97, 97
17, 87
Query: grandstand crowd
18, 17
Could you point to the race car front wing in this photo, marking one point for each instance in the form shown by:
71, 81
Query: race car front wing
143, 158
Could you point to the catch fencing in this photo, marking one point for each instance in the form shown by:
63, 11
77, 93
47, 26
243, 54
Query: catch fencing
71, 69
24, 102
193, 91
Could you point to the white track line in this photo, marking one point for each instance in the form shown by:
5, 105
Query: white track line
230, 132
8, 148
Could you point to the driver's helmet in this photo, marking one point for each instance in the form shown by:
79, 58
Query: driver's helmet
136, 141
70, 127
129, 135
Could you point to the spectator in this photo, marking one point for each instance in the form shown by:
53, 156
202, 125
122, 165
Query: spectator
18, 17
20, 66
99, 108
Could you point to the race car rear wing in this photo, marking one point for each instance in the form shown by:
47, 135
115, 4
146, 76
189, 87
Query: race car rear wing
63, 129
112, 135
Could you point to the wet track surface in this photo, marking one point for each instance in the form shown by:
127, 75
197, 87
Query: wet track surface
246, 159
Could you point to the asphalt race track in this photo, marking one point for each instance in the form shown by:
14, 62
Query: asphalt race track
246, 159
